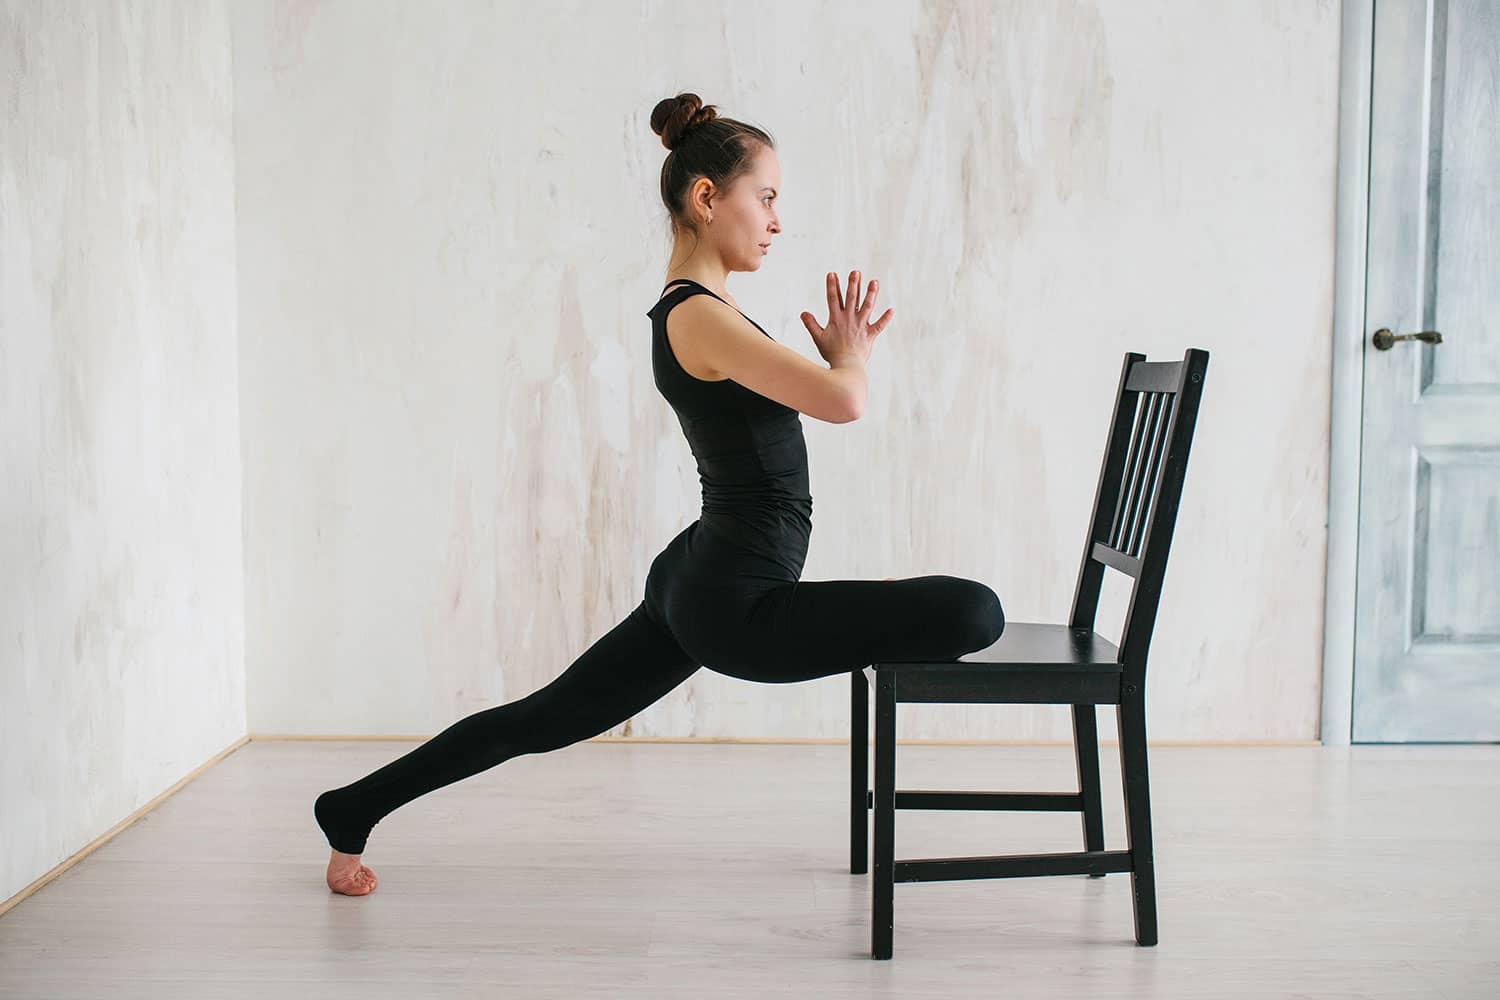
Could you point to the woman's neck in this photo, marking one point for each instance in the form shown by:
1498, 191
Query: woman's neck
703, 269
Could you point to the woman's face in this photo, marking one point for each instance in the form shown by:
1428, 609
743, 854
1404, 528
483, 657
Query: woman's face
744, 218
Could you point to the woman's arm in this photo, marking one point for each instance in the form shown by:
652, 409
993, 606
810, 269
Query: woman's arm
712, 332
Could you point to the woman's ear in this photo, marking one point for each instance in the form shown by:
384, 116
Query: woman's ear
702, 197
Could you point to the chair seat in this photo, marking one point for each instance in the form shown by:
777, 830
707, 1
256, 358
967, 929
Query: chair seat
1031, 646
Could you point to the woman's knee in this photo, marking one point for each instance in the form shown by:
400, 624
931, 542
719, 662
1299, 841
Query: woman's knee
981, 619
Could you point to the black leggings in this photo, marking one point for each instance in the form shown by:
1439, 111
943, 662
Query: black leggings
711, 602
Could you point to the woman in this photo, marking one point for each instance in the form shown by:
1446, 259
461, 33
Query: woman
725, 593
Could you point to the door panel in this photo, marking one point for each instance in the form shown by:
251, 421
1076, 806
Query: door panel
1427, 619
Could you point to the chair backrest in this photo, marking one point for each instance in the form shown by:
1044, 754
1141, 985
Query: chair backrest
1140, 484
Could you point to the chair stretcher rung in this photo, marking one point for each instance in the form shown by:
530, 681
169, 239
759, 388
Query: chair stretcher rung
1010, 801
1010, 866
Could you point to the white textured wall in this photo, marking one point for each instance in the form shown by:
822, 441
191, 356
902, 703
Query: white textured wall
457, 469
121, 599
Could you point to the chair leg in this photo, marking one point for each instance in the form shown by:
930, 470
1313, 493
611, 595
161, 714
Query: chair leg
1137, 784
882, 925
859, 774
1086, 753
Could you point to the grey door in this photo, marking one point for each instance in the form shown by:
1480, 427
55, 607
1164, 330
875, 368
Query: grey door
1427, 618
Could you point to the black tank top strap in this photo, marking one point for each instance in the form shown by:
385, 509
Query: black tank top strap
692, 288
690, 281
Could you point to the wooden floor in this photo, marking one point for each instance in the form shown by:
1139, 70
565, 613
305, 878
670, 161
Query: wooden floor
721, 871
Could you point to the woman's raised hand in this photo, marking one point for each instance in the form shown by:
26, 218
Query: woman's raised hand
849, 330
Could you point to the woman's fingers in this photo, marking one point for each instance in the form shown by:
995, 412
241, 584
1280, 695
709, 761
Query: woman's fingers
848, 302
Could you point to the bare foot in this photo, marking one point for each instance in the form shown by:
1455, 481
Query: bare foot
348, 876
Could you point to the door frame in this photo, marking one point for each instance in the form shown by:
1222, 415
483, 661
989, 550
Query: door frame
1356, 66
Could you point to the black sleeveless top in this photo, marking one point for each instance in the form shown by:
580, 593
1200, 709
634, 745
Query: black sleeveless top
752, 458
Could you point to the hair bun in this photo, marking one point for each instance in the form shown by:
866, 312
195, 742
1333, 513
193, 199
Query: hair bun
674, 117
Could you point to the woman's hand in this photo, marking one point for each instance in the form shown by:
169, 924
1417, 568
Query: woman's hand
848, 331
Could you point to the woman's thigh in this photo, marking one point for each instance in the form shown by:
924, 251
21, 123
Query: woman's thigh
801, 630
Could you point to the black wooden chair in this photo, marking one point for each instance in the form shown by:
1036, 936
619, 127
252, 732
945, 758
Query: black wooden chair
1135, 508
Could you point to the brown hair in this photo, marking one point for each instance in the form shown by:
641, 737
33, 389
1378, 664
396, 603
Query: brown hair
702, 144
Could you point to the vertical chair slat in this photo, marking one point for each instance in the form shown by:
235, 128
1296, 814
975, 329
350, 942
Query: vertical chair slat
1122, 494
1147, 437
1149, 482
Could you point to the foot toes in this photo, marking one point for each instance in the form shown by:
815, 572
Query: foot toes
352, 887
358, 882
